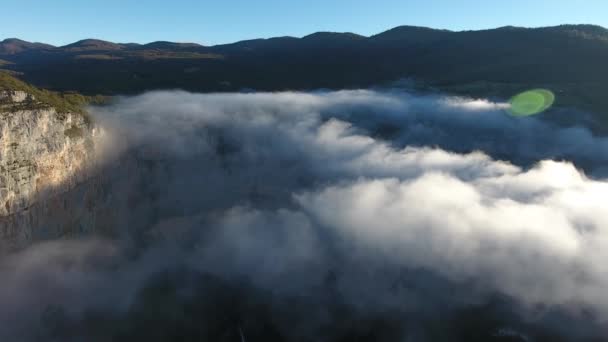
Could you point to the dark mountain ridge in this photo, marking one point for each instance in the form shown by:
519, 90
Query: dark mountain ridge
403, 33
569, 59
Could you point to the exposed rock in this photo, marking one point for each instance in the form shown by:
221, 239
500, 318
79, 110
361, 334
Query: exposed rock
43, 156
14, 96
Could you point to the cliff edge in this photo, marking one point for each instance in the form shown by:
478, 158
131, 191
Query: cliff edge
47, 148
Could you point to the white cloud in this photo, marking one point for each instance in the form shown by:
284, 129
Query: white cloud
286, 189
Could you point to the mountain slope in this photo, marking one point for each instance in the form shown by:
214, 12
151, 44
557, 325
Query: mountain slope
569, 58
92, 45
11, 46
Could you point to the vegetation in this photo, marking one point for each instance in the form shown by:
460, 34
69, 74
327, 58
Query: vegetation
63, 103
159, 54
97, 56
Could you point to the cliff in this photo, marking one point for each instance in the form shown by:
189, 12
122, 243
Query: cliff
45, 155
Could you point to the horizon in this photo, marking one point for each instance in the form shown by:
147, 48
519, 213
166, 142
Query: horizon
3, 39
66, 21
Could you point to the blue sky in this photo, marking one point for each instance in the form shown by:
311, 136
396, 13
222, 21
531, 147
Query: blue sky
223, 21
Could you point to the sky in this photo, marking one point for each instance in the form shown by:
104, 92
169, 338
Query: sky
61, 22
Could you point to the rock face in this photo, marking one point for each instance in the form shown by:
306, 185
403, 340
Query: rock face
10, 96
62, 176
44, 155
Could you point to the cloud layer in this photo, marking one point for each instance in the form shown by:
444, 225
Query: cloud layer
312, 211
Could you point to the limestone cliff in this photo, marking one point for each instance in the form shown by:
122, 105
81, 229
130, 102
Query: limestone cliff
44, 154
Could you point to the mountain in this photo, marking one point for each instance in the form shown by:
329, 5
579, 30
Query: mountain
592, 32
162, 45
569, 59
412, 34
332, 37
13, 46
93, 45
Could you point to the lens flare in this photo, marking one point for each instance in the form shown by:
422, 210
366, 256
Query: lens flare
531, 102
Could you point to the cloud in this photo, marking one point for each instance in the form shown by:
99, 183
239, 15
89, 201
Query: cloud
311, 213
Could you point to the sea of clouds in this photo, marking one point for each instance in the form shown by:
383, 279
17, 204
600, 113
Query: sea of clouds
378, 215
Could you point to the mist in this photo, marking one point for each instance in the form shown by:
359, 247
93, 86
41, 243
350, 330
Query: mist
347, 215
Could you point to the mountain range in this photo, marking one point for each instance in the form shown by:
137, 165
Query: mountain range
571, 60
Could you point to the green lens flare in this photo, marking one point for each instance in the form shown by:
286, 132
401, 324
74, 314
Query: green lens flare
531, 102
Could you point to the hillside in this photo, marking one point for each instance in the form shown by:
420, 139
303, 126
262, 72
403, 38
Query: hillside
14, 46
62, 103
569, 59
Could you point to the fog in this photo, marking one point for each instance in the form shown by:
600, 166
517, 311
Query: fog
326, 216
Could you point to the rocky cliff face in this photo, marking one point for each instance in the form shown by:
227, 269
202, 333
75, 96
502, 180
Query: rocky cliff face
8, 97
44, 156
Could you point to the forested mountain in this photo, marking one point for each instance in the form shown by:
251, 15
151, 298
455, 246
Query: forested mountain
572, 60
